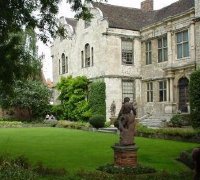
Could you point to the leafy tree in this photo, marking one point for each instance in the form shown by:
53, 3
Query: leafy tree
17, 15
195, 98
32, 96
73, 93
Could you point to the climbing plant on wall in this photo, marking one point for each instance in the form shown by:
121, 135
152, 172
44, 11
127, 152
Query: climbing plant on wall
195, 98
97, 98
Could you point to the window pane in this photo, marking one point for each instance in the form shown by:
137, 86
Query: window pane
185, 50
179, 51
160, 43
185, 36
165, 53
160, 55
179, 37
165, 42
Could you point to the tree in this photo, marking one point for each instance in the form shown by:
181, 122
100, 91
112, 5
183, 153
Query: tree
17, 15
32, 96
195, 98
73, 97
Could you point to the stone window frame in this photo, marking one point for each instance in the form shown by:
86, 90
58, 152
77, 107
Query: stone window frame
162, 86
87, 55
150, 91
148, 52
128, 89
162, 49
63, 63
127, 51
181, 43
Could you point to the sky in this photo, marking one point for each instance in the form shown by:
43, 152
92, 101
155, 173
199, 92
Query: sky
64, 10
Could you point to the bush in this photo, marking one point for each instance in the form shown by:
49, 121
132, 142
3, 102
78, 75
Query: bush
97, 98
176, 121
13, 124
110, 168
186, 158
72, 125
194, 90
97, 121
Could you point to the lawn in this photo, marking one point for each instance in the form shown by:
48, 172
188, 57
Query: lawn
75, 149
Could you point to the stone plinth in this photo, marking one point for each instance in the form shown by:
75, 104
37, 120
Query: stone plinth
125, 156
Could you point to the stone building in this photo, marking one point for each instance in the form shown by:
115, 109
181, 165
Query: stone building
145, 54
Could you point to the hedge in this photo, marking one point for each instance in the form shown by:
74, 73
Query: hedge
97, 98
194, 89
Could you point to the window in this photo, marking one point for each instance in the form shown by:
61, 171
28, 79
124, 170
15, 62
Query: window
182, 44
162, 49
150, 92
87, 55
127, 52
66, 68
162, 91
92, 49
148, 53
63, 63
82, 59
59, 67
128, 90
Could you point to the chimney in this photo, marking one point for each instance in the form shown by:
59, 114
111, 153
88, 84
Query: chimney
147, 5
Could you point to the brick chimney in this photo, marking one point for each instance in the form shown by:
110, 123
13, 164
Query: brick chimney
147, 5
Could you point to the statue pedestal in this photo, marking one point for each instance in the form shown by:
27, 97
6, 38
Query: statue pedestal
125, 156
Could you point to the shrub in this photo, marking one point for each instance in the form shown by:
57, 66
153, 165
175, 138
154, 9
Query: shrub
194, 87
13, 124
72, 125
110, 168
176, 121
186, 158
97, 121
97, 98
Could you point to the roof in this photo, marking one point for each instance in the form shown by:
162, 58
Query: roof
135, 19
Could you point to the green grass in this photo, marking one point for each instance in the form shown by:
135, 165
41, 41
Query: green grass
73, 149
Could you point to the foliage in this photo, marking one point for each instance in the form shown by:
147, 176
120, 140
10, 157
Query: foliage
8, 124
97, 98
32, 96
73, 93
176, 121
194, 91
17, 15
73, 125
188, 134
180, 120
57, 111
110, 168
97, 121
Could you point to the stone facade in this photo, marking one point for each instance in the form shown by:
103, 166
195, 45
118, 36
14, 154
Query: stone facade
105, 63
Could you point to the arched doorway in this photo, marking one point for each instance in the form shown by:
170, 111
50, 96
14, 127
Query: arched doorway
183, 94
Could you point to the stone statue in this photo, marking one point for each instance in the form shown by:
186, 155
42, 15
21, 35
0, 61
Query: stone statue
126, 119
113, 109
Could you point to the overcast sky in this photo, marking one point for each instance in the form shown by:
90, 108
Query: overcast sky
64, 10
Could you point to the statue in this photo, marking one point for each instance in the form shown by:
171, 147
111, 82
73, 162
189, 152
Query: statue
126, 119
113, 109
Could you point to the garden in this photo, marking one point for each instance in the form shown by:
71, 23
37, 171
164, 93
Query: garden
71, 147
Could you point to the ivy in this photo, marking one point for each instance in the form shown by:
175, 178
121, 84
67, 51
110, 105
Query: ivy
97, 98
195, 98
